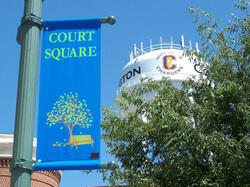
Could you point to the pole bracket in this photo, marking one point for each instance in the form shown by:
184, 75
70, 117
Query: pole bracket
28, 20
21, 163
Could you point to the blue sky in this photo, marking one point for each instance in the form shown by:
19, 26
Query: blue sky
137, 21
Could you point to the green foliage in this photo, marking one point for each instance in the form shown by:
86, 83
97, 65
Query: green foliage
203, 141
70, 111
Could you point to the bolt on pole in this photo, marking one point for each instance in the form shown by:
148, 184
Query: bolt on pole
29, 38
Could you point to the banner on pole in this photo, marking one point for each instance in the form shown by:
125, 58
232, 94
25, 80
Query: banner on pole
68, 135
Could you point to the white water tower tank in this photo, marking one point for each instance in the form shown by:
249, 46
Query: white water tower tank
158, 61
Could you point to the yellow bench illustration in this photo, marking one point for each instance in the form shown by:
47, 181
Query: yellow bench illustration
76, 140
81, 139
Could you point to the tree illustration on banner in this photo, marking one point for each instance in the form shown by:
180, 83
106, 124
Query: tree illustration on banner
70, 112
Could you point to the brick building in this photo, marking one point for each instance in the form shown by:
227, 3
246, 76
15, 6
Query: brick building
39, 178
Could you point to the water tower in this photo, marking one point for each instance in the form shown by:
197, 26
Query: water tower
157, 61
163, 60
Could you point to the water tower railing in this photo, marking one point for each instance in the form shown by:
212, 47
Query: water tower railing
160, 46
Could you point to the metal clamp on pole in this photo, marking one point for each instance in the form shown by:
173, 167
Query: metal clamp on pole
31, 19
21, 163
110, 20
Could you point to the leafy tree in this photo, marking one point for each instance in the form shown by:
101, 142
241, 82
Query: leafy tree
70, 112
169, 149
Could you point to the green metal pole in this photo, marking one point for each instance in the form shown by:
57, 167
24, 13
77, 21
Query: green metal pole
29, 38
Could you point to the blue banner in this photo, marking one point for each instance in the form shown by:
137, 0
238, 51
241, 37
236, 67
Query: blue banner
68, 135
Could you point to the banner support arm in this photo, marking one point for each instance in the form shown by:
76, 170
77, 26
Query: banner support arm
110, 20
109, 165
